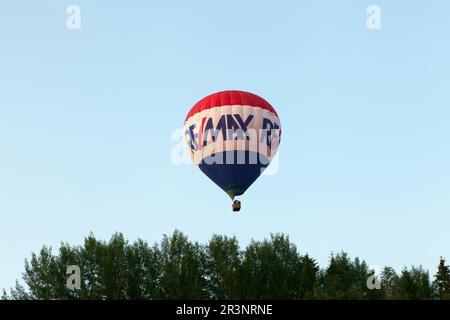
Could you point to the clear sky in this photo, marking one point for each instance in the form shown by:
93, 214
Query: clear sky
86, 118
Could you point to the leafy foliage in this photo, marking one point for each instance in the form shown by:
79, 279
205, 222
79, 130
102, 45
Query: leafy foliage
442, 280
177, 268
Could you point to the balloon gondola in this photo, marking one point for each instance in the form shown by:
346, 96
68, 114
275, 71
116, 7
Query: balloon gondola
236, 205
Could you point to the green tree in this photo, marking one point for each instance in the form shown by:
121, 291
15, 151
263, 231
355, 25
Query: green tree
143, 264
16, 293
114, 268
389, 280
179, 269
224, 268
343, 279
442, 281
414, 284
90, 259
270, 269
40, 276
306, 275
182, 268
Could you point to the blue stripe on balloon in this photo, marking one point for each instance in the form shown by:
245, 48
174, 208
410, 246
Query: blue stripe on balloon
235, 177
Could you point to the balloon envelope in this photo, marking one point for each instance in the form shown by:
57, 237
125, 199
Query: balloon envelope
232, 136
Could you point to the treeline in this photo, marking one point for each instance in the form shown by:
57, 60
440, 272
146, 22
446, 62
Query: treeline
179, 269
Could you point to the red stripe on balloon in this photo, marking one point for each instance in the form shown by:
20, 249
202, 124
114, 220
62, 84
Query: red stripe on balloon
228, 98
200, 135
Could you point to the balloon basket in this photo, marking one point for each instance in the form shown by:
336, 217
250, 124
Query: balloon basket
236, 205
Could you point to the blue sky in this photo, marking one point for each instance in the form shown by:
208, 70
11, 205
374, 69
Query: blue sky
86, 118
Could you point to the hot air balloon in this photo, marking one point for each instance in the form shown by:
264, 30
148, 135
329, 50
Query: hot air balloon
232, 136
